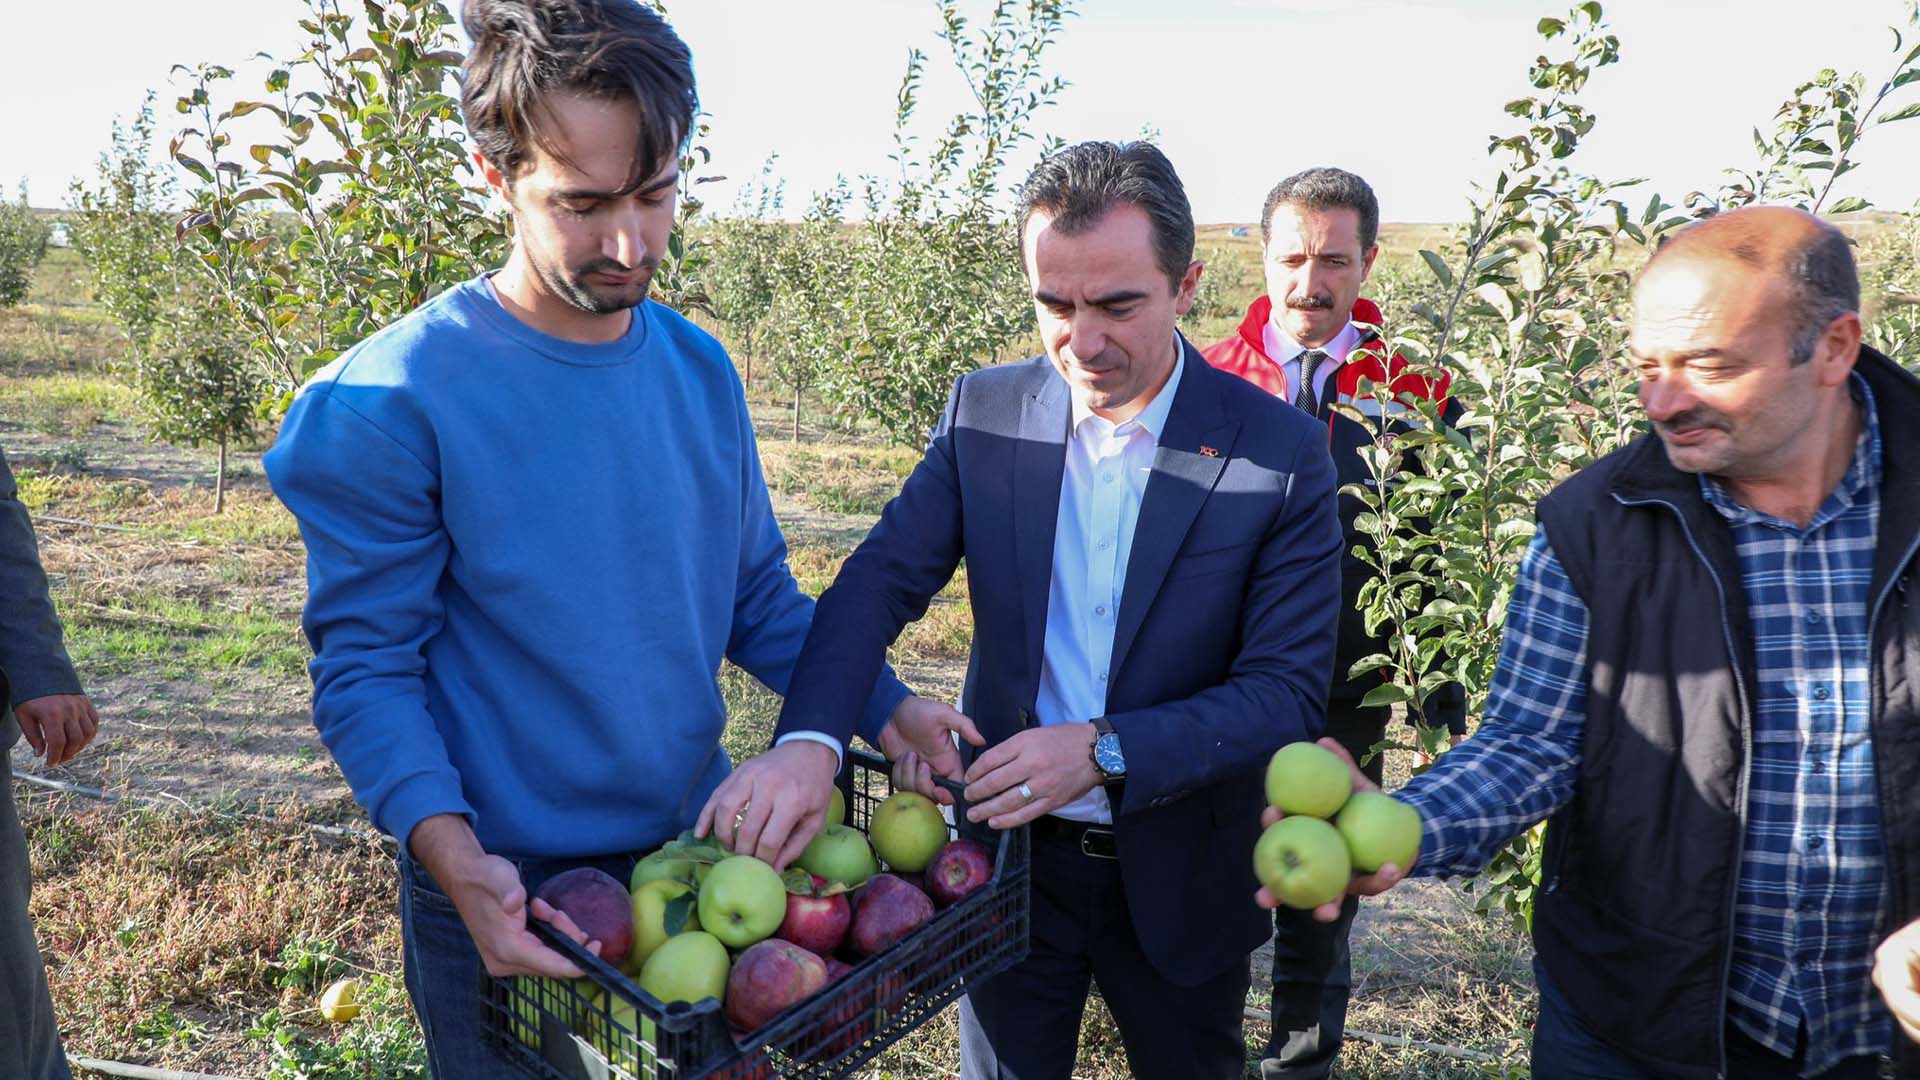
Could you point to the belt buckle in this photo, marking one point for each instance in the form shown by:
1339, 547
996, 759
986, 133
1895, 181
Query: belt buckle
1103, 850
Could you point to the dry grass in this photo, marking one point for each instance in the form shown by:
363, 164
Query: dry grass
148, 915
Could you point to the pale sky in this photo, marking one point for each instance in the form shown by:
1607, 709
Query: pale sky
1242, 92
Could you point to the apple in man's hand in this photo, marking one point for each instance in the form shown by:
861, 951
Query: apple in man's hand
1303, 862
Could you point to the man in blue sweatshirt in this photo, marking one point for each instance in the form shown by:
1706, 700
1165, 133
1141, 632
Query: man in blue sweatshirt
536, 524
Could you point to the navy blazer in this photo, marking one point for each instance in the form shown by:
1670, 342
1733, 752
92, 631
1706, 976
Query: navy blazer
1223, 647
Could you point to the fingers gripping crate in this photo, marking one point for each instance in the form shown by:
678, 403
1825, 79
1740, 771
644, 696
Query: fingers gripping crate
604, 1027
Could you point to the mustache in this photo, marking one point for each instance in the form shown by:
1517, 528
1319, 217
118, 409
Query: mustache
1691, 420
1318, 302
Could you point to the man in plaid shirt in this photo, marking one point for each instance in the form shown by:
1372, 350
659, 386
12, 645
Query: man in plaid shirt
1710, 683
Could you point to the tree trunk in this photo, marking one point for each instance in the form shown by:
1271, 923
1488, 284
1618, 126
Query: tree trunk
796, 412
746, 345
220, 480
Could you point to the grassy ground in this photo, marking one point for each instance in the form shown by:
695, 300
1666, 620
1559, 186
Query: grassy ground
194, 931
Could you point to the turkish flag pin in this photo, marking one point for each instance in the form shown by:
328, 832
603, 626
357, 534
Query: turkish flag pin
1208, 451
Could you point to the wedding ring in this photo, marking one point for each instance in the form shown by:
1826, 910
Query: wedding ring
1026, 792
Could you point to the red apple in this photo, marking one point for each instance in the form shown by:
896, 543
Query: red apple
599, 905
890, 909
961, 867
816, 923
837, 969
768, 978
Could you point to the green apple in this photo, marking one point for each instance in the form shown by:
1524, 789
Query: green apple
1303, 862
839, 853
1379, 829
688, 967
650, 902
1303, 778
908, 831
624, 1037
837, 809
742, 901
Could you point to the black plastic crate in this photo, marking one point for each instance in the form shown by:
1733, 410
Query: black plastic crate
561, 1030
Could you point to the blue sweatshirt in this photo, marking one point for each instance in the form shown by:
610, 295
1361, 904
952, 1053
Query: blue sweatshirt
526, 558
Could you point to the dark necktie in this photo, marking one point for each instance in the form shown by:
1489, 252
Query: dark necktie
1309, 367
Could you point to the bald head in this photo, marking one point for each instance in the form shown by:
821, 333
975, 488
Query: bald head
1807, 259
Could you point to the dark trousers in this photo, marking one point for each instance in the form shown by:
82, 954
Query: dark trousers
1312, 968
29, 1039
1024, 1023
443, 968
1563, 1049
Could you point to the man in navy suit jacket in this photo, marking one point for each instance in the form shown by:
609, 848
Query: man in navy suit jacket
1152, 553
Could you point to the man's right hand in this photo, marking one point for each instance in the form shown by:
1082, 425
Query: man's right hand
918, 739
492, 901
1362, 884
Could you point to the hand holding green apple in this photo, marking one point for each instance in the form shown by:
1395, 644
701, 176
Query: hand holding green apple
1380, 835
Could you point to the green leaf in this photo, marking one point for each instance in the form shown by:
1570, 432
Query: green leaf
1905, 113
1386, 694
1848, 205
678, 911
797, 881
1550, 27
1439, 267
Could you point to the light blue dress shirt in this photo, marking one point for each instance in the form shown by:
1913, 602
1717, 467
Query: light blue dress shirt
1106, 475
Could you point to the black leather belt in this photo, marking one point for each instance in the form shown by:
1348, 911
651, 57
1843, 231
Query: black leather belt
1095, 841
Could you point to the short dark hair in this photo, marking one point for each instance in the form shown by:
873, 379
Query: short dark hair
1079, 184
1325, 188
1822, 281
524, 50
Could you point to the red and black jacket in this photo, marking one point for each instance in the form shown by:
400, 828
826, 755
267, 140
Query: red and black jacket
1244, 353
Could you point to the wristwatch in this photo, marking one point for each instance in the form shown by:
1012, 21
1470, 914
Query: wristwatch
1107, 759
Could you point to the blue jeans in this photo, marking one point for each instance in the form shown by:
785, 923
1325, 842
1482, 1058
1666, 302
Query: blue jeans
443, 970
1563, 1049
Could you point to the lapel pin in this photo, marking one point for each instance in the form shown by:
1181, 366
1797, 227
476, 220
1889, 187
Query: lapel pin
1208, 451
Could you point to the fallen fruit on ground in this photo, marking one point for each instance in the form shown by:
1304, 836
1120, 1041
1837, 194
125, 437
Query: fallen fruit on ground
1303, 862
963, 867
908, 831
889, 910
598, 904
1379, 829
742, 901
1303, 778
769, 978
341, 1001
688, 967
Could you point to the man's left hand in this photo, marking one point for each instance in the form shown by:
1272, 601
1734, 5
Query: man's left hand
772, 805
1055, 763
57, 726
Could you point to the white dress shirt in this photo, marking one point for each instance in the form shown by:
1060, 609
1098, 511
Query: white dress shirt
1283, 350
1106, 475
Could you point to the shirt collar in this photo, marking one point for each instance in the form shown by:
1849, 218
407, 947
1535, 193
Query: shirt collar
1283, 350
1154, 417
1859, 484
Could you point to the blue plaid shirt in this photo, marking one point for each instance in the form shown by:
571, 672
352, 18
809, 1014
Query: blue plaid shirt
1812, 890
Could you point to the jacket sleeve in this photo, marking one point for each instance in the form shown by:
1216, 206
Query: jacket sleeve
1276, 688
376, 548
33, 661
885, 584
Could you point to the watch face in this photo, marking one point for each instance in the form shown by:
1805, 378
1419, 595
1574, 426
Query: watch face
1106, 754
